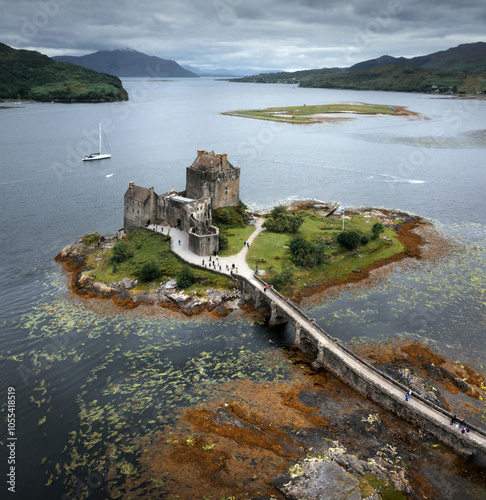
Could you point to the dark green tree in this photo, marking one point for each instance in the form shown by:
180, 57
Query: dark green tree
306, 253
349, 239
377, 229
150, 271
121, 252
223, 241
278, 210
284, 223
230, 216
185, 278
283, 278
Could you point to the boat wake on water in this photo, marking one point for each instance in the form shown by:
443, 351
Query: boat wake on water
393, 178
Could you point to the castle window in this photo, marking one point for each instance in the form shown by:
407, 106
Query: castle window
226, 191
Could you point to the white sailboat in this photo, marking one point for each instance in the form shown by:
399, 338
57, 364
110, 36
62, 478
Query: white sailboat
99, 155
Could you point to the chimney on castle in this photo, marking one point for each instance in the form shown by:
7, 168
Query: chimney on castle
200, 152
224, 162
131, 188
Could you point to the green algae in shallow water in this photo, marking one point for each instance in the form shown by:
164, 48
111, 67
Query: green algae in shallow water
135, 391
442, 302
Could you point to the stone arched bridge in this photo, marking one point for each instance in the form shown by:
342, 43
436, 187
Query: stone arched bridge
331, 354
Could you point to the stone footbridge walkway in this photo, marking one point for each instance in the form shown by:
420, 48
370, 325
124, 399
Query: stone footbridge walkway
336, 357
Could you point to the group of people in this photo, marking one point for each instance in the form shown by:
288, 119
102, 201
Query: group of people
460, 424
214, 263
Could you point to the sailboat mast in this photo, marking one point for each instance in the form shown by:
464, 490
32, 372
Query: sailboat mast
100, 140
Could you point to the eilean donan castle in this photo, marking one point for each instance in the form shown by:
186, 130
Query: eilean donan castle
211, 182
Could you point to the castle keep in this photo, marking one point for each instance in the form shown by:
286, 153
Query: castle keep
211, 182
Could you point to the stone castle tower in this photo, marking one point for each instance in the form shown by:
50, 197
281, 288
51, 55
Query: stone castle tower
211, 182
212, 175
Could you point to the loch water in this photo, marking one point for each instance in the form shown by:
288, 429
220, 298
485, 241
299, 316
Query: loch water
85, 373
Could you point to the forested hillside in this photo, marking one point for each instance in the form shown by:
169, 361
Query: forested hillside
30, 75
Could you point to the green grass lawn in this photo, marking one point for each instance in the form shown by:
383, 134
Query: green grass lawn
269, 251
236, 237
151, 247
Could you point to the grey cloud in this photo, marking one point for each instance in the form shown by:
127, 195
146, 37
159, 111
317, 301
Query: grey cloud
266, 34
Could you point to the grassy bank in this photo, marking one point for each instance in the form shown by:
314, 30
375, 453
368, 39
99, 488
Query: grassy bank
147, 247
270, 251
236, 238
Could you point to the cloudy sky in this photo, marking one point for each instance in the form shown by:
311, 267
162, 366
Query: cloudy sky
255, 34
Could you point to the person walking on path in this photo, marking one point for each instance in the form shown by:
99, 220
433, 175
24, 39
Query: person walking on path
179, 242
407, 396
453, 419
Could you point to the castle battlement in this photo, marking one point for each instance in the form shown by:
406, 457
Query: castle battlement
211, 182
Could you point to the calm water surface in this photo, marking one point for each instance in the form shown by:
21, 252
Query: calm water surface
88, 375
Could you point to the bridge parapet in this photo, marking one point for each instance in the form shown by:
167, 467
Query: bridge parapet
334, 356
364, 383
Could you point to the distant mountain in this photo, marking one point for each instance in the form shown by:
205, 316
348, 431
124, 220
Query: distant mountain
31, 75
404, 79
220, 72
128, 62
461, 69
291, 77
465, 57
386, 61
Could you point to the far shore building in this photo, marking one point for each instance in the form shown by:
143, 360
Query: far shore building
211, 183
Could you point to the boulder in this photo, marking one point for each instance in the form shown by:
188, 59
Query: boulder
193, 306
169, 284
125, 283
179, 298
220, 311
321, 481
151, 298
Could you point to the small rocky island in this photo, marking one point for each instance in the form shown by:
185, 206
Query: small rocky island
180, 250
118, 266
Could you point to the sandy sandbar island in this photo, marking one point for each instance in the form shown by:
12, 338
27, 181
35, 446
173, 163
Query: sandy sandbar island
305, 115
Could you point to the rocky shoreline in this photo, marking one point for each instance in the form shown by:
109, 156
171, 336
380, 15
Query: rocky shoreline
221, 302
74, 259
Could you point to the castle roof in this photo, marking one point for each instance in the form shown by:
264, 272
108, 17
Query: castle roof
137, 193
209, 161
